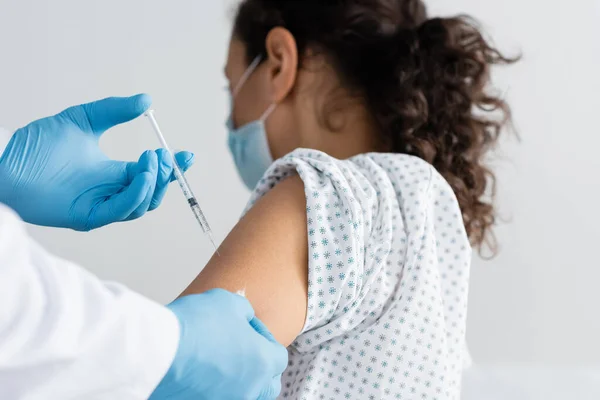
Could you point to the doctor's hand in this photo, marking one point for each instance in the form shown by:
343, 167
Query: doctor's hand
224, 352
53, 172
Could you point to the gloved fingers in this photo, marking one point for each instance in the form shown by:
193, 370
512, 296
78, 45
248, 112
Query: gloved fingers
120, 206
272, 391
165, 173
165, 170
104, 114
244, 307
135, 168
185, 160
275, 351
280, 357
148, 162
262, 329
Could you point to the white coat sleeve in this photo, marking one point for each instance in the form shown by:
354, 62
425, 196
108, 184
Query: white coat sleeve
64, 334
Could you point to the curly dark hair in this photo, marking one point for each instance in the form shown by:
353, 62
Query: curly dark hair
425, 82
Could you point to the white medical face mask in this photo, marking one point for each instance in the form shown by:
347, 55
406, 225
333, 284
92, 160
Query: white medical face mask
248, 144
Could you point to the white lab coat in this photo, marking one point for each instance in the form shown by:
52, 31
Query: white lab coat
66, 335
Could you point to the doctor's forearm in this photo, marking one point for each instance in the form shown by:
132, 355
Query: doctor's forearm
60, 325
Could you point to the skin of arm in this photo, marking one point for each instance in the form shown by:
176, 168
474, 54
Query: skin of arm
266, 254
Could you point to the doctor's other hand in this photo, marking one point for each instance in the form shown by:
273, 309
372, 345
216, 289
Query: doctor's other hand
53, 173
225, 352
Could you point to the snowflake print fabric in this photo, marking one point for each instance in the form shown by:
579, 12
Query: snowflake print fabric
388, 273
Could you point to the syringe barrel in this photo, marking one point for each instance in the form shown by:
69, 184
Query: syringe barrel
181, 179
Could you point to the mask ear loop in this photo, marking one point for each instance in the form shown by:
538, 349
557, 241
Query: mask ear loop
267, 113
251, 68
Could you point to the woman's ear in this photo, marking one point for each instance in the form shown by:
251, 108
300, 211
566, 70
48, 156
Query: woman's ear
282, 61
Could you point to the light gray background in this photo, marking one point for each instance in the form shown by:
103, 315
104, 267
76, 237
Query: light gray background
537, 302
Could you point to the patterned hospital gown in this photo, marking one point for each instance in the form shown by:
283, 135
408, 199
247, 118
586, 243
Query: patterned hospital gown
388, 274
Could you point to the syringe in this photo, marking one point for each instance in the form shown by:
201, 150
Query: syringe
183, 183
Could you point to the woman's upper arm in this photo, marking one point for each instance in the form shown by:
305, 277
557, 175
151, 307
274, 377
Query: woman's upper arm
266, 254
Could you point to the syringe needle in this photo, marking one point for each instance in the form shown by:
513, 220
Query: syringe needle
212, 240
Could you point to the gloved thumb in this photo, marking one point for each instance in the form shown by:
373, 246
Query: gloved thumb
120, 206
104, 114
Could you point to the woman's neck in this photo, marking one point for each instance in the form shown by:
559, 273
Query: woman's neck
342, 133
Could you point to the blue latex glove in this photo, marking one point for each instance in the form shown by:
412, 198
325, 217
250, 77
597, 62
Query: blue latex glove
54, 174
224, 352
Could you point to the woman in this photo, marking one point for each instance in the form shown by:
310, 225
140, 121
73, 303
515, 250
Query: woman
355, 249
